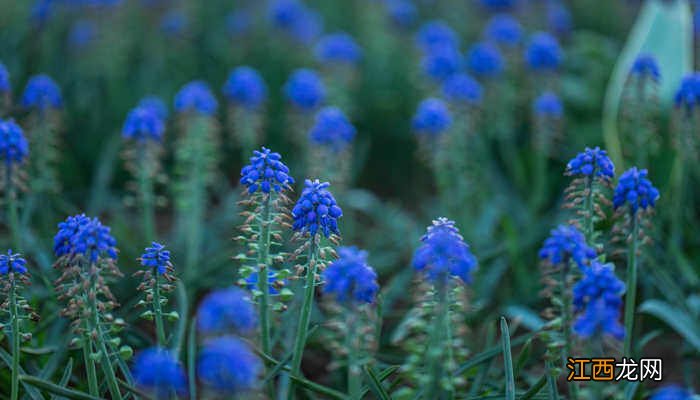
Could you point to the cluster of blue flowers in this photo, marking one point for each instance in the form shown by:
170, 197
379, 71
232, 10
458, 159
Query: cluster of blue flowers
155, 104
5, 85
158, 372
432, 117
79, 235
548, 105
296, 20
338, 48
42, 93
688, 94
196, 97
441, 62
559, 18
143, 123
226, 311
436, 34
543, 52
485, 60
504, 30
332, 129
598, 297
591, 162
266, 172
566, 243
462, 89
156, 257
227, 365
305, 90
403, 13
245, 87
672, 392
444, 253
316, 210
12, 263
14, 147
498, 5
350, 278
635, 190
645, 66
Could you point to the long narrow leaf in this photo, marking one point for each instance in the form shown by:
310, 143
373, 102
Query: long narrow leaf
507, 360
65, 378
33, 393
55, 389
489, 353
375, 384
676, 318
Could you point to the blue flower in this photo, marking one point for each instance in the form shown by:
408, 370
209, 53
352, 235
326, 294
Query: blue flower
295, 19
402, 12
498, 5
196, 97
350, 278
156, 257
173, 23
5, 85
441, 62
462, 88
227, 311
12, 263
266, 172
543, 52
245, 87
332, 129
591, 162
142, 124
672, 392
598, 296
566, 243
635, 190
504, 29
305, 89
41, 11
645, 66
688, 94
81, 236
227, 365
444, 253
432, 117
14, 147
251, 282
158, 372
485, 60
436, 34
548, 105
81, 34
338, 48
316, 210
156, 104
41, 93
559, 18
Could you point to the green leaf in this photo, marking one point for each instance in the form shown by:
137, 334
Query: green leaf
382, 376
535, 388
665, 30
525, 316
507, 360
375, 384
489, 353
676, 318
33, 393
64, 378
191, 357
55, 389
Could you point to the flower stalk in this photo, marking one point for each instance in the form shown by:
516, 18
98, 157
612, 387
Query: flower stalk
307, 304
14, 318
631, 284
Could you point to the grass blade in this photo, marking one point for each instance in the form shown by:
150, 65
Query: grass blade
676, 318
191, 357
507, 360
65, 378
33, 393
375, 384
55, 389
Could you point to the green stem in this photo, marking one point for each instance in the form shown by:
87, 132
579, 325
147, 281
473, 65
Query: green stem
146, 192
588, 211
12, 215
263, 286
157, 310
305, 313
566, 321
436, 345
109, 370
631, 286
354, 367
14, 318
196, 191
90, 366
551, 381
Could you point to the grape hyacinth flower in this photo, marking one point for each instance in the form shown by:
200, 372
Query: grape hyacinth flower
436, 34
688, 94
332, 129
245, 87
305, 90
157, 278
226, 311
403, 13
5, 88
195, 97
635, 191
498, 5
485, 60
593, 163
87, 254
155, 104
645, 66
157, 372
81, 34
444, 253
338, 48
296, 20
543, 52
14, 275
173, 23
266, 172
559, 18
548, 105
316, 210
597, 297
227, 366
350, 278
441, 62
41, 93
567, 244
432, 118
143, 123
504, 29
672, 392
14, 147
251, 282
462, 89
